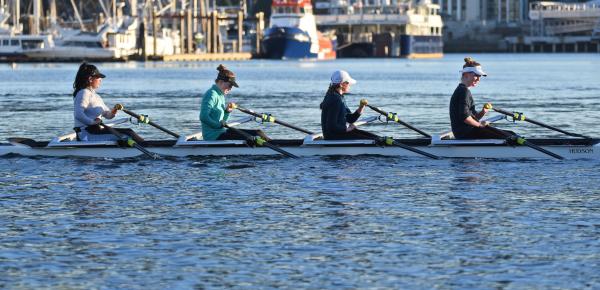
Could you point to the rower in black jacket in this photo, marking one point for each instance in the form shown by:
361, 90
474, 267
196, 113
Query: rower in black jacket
336, 119
465, 120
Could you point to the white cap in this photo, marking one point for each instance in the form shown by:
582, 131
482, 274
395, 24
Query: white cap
341, 76
474, 69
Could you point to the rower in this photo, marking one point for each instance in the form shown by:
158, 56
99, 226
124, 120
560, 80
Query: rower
464, 118
89, 108
336, 118
214, 112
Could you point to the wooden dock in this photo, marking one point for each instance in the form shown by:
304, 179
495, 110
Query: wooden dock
207, 56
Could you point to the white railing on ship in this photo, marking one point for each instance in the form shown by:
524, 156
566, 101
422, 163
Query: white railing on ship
569, 28
364, 18
539, 10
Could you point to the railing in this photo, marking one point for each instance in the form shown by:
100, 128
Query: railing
362, 19
569, 28
540, 10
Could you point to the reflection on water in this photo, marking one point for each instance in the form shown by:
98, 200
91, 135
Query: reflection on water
319, 222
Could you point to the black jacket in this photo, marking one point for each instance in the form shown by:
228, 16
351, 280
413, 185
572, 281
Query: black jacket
461, 107
335, 114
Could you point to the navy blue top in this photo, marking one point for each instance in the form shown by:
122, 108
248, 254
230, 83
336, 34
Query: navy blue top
335, 114
461, 107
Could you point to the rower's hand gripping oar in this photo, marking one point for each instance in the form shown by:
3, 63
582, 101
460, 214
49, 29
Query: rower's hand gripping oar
521, 117
146, 120
394, 117
259, 141
130, 141
391, 142
270, 118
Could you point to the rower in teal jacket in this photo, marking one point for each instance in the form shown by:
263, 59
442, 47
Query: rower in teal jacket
214, 112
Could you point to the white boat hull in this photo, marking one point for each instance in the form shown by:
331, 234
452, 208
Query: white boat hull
72, 53
454, 151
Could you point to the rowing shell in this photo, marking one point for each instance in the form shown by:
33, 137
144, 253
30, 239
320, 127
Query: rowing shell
192, 145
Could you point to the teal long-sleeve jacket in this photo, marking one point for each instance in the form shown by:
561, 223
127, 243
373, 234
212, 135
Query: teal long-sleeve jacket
212, 111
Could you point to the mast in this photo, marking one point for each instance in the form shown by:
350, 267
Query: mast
35, 30
133, 10
77, 15
53, 13
16, 13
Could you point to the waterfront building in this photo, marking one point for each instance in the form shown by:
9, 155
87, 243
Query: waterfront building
520, 25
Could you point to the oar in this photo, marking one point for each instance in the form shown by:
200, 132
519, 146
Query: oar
394, 117
269, 118
130, 142
260, 142
145, 119
521, 117
391, 142
521, 141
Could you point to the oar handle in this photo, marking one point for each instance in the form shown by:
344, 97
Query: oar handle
143, 119
521, 117
520, 140
397, 120
273, 119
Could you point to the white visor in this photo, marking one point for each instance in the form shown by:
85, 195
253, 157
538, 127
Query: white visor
476, 70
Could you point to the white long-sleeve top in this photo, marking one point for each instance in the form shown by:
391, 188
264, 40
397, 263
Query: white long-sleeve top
87, 107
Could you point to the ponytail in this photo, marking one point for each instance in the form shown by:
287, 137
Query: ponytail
470, 62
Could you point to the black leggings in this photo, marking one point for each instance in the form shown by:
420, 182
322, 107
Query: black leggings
485, 133
101, 130
233, 135
352, 135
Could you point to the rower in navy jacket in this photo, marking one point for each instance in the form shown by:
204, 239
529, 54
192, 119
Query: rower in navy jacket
336, 119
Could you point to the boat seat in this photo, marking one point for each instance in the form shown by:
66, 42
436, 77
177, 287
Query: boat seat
287, 142
70, 140
447, 138
53, 143
209, 143
317, 140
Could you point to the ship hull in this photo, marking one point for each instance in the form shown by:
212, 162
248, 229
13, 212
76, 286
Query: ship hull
286, 43
421, 46
404, 46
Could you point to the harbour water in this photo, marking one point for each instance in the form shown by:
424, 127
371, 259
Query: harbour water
323, 222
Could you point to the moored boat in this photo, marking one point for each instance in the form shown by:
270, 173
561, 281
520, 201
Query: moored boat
383, 28
293, 33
